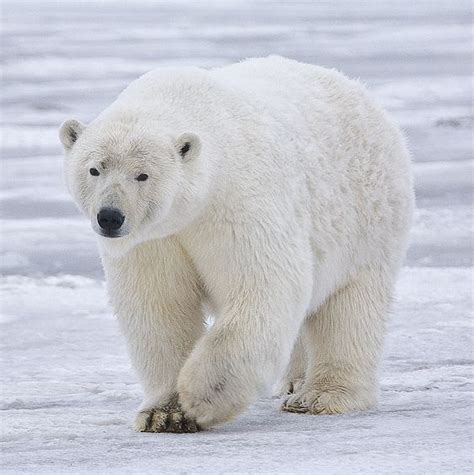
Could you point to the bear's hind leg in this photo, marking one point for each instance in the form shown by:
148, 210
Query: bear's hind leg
343, 340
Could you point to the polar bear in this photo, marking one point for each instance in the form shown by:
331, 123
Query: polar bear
276, 195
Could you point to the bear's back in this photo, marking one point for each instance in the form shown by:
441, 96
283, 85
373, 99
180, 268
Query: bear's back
274, 82
277, 79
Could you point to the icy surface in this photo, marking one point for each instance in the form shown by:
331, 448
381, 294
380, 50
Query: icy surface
68, 393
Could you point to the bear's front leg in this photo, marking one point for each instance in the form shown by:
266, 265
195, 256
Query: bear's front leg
156, 296
250, 342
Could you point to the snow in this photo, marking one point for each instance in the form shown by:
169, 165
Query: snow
67, 391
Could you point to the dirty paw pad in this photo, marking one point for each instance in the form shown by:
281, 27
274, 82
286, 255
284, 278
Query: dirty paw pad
165, 420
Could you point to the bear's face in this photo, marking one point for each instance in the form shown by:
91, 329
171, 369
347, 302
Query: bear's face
132, 185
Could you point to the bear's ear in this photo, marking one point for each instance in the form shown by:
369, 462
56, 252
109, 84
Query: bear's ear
69, 132
188, 146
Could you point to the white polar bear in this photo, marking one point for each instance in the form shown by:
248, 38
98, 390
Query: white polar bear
276, 194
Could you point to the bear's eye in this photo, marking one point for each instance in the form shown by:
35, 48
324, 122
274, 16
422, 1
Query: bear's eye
142, 177
94, 172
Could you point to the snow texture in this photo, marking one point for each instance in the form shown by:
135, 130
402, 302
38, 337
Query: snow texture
68, 393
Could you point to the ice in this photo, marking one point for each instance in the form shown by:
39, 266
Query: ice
68, 393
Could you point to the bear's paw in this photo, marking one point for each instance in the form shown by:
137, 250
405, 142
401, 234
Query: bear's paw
328, 400
165, 419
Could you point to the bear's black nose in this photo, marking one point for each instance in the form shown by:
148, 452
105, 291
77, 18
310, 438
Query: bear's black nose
110, 219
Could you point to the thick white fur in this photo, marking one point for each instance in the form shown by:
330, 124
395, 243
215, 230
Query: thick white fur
288, 217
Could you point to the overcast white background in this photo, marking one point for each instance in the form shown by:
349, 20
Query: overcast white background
67, 390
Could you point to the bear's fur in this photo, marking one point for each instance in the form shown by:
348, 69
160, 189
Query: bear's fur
279, 197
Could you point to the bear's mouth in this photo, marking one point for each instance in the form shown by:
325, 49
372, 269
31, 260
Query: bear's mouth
111, 234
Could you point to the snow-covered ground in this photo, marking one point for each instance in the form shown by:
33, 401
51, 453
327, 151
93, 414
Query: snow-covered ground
68, 393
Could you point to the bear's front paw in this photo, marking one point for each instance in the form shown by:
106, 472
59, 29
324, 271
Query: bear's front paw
165, 419
209, 395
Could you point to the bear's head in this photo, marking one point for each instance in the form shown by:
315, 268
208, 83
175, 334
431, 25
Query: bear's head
132, 183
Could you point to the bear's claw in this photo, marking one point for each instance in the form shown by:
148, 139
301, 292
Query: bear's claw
295, 406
